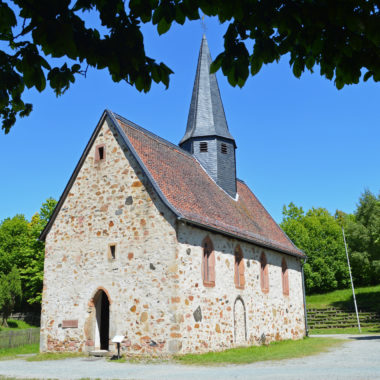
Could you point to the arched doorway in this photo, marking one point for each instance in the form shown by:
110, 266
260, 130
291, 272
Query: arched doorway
240, 324
102, 320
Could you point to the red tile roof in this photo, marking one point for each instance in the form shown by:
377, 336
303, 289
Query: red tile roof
198, 199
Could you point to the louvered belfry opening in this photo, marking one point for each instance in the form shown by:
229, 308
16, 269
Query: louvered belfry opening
207, 136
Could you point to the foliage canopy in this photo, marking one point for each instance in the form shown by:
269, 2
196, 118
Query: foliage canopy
342, 37
21, 249
319, 235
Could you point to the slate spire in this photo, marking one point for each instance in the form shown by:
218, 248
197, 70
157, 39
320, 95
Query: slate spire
207, 136
206, 114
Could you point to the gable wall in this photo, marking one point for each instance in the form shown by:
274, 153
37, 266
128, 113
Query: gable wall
273, 314
98, 211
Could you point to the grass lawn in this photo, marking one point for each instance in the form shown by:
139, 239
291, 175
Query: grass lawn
286, 349
10, 353
367, 298
16, 325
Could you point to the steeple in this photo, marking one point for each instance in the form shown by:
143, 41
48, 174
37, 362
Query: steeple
206, 114
207, 136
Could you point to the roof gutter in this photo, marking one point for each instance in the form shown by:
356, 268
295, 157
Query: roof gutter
230, 234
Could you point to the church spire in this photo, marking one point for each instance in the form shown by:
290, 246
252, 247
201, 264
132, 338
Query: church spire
207, 136
206, 114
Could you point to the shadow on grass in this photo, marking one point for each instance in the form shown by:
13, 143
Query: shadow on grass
366, 301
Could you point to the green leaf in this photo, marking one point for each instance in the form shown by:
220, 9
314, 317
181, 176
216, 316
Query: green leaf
163, 26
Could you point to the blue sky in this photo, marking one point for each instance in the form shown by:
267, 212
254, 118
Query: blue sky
298, 140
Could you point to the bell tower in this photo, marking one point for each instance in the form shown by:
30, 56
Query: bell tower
207, 136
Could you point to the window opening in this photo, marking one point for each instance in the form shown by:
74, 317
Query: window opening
112, 252
285, 278
264, 274
208, 263
203, 147
239, 268
224, 148
101, 153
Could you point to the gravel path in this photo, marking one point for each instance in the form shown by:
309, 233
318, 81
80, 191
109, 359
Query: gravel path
358, 358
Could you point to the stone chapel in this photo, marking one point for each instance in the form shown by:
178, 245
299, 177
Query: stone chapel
163, 245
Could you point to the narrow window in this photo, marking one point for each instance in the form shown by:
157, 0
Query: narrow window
112, 251
264, 277
223, 148
239, 268
100, 153
285, 278
208, 263
203, 147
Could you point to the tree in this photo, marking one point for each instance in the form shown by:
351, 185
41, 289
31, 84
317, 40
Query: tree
20, 247
319, 235
363, 238
342, 37
10, 291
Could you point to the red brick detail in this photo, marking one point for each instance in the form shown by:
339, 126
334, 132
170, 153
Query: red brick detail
70, 323
176, 300
208, 263
239, 268
264, 275
96, 292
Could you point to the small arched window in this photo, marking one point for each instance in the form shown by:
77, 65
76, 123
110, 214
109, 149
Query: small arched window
239, 268
208, 263
264, 275
285, 278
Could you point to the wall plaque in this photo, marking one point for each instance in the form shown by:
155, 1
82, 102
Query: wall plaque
70, 323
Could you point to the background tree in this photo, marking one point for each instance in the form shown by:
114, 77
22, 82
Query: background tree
341, 37
363, 238
10, 291
319, 235
20, 247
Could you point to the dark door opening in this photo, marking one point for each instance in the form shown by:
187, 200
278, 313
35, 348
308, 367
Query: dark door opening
102, 320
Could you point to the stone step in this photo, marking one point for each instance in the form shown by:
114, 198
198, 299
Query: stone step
100, 353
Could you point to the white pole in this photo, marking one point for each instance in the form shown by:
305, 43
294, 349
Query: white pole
352, 283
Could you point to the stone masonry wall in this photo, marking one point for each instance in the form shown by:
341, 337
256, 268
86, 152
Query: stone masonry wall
271, 316
110, 202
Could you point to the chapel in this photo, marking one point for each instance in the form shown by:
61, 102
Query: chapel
162, 245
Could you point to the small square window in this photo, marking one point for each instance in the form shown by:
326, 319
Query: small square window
112, 252
100, 153
223, 148
203, 147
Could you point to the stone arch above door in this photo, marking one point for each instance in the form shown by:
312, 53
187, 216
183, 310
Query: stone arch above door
97, 324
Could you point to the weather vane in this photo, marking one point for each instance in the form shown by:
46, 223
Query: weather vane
203, 24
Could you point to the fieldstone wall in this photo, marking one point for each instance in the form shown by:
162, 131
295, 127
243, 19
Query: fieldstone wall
110, 202
220, 317
154, 284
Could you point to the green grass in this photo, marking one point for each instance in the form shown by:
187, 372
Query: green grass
16, 325
11, 353
368, 299
55, 356
286, 349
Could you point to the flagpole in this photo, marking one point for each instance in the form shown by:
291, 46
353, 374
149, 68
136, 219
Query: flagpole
352, 283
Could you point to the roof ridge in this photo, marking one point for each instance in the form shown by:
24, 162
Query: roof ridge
152, 135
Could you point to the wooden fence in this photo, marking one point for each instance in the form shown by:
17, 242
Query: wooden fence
15, 338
